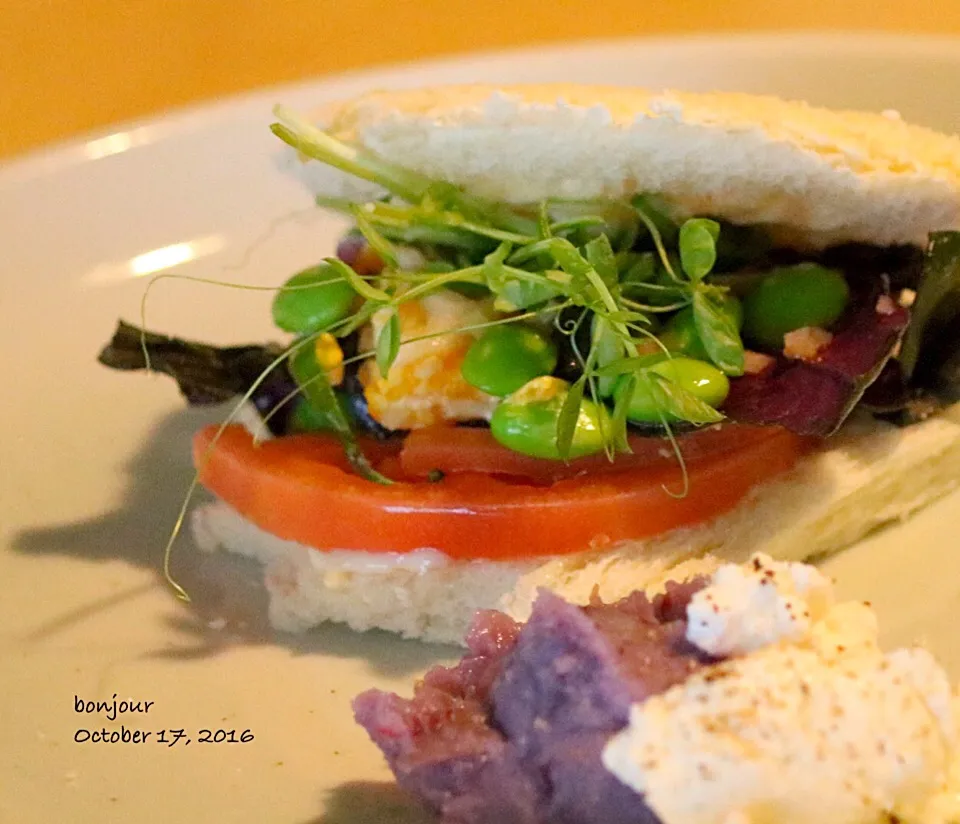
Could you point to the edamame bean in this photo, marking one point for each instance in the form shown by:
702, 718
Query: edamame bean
506, 357
526, 422
680, 331
702, 380
790, 298
318, 299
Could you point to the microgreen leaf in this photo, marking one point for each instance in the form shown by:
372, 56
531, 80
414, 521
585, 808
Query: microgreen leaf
623, 316
516, 294
656, 235
437, 267
398, 223
388, 344
620, 409
626, 366
456, 221
530, 252
567, 256
600, 255
306, 138
471, 274
361, 286
441, 195
491, 214
318, 392
678, 453
607, 348
577, 224
569, 416
383, 247
359, 318
426, 221
515, 288
418, 234
677, 402
655, 215
698, 247
636, 267
586, 286
493, 264
543, 225
717, 328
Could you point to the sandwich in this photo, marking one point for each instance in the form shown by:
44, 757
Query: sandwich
576, 339
747, 695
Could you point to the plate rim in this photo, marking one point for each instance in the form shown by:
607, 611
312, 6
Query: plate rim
177, 118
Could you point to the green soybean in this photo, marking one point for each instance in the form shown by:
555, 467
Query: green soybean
790, 298
680, 331
530, 428
504, 358
703, 381
312, 300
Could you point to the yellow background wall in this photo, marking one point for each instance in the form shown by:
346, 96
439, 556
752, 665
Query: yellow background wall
72, 65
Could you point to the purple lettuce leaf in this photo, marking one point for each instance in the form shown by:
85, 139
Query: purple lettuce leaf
816, 397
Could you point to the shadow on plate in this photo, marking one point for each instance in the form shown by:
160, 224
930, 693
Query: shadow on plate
228, 601
366, 802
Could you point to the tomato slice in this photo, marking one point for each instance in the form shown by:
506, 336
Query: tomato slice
299, 488
452, 449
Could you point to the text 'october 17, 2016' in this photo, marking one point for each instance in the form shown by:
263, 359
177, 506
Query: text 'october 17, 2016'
142, 732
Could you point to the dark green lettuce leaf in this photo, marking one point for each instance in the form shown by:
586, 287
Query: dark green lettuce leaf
932, 343
209, 374
205, 374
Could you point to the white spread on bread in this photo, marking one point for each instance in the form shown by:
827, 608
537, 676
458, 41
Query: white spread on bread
808, 721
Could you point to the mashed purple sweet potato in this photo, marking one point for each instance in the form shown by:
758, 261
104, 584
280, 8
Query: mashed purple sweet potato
513, 733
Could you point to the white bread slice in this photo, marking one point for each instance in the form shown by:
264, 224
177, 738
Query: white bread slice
872, 474
815, 176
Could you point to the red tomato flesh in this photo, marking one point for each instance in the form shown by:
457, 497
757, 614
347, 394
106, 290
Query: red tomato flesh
300, 488
452, 449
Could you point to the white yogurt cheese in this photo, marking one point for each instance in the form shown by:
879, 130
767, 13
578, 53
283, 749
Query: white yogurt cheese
807, 721
758, 604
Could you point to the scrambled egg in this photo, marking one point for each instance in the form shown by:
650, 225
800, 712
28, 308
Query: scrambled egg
424, 385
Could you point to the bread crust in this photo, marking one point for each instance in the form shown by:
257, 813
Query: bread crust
815, 176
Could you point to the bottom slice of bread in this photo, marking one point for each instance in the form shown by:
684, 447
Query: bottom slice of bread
873, 473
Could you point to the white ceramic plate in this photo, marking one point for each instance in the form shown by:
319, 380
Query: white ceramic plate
93, 463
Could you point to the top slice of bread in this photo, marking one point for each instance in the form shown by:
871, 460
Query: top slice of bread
815, 176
